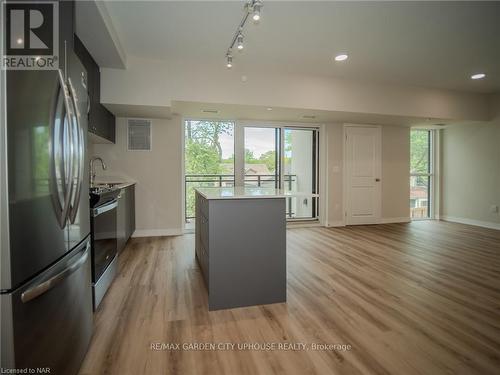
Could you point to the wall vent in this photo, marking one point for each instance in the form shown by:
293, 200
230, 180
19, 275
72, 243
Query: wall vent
139, 135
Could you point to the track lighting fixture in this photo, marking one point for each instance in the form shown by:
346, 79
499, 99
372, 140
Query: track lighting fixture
252, 8
239, 40
256, 11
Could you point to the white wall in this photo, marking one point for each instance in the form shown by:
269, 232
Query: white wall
158, 83
470, 164
395, 174
158, 174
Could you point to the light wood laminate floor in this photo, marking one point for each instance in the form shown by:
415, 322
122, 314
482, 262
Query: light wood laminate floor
419, 298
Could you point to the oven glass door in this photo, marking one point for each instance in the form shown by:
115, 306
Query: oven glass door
104, 238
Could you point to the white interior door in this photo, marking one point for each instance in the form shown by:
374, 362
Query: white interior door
362, 174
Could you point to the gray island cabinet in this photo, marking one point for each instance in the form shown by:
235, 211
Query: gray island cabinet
241, 245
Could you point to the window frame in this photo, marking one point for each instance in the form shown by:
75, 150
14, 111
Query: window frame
281, 126
431, 175
239, 125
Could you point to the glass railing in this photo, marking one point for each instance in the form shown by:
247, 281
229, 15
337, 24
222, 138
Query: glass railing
193, 181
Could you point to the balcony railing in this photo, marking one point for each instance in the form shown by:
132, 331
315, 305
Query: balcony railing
193, 181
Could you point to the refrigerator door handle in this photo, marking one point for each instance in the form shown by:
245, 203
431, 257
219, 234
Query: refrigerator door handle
61, 150
50, 283
69, 145
78, 142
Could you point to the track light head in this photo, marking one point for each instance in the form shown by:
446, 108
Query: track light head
257, 5
229, 60
239, 41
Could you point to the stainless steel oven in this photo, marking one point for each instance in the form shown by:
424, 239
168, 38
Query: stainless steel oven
104, 248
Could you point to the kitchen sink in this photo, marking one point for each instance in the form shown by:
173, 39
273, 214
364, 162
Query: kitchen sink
108, 184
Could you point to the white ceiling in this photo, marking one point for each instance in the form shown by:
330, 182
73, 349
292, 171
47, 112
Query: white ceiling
432, 44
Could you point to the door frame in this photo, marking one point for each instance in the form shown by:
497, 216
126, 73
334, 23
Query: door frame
345, 185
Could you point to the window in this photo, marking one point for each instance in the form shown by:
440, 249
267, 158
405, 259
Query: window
421, 173
223, 153
261, 156
208, 158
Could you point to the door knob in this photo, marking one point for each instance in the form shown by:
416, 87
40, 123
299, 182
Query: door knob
377, 180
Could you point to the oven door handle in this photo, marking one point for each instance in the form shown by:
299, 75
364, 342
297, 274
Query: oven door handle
104, 208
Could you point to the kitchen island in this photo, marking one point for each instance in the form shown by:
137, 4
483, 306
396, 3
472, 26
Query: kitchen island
241, 245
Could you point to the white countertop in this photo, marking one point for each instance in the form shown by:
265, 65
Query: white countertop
118, 183
248, 192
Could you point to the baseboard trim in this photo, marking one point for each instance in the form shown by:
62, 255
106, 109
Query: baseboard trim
157, 232
393, 220
477, 223
334, 224
303, 224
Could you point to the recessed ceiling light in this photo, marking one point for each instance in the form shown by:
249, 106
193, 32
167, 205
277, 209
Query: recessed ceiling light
478, 76
341, 57
269, 108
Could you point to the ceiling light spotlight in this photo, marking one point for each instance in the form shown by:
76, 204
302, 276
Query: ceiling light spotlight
478, 76
256, 11
341, 57
251, 8
239, 41
19, 41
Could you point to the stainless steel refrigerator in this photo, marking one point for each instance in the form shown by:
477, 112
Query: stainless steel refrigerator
46, 297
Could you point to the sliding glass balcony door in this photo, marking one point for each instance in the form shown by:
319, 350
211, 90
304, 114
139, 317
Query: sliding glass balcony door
284, 158
300, 171
262, 152
225, 153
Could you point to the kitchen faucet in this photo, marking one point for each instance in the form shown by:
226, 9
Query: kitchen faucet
92, 168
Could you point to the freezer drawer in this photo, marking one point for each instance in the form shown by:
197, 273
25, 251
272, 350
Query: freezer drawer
47, 323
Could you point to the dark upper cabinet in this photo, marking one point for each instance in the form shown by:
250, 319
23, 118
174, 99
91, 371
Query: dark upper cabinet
101, 121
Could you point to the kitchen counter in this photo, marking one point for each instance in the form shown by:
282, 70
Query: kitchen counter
248, 192
119, 184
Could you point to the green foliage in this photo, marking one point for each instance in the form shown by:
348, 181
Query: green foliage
201, 158
250, 157
419, 154
203, 154
269, 159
